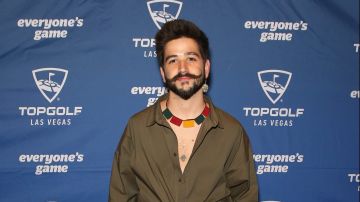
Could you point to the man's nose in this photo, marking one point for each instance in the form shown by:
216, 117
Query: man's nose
183, 66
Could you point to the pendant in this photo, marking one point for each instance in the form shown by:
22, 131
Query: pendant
183, 157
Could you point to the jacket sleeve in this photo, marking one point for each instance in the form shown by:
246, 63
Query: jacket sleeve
123, 186
240, 173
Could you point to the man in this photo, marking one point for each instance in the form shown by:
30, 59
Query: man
183, 148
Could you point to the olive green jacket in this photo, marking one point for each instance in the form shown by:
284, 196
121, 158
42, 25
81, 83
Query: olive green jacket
146, 164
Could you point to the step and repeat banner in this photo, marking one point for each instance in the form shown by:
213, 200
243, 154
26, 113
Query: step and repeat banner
73, 72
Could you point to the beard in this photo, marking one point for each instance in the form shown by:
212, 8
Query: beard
199, 81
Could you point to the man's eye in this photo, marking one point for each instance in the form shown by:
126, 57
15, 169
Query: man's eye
192, 59
171, 61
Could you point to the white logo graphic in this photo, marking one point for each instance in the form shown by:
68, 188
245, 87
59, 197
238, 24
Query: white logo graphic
54, 28
50, 81
163, 11
356, 45
274, 83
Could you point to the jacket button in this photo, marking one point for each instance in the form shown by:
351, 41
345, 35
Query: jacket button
175, 154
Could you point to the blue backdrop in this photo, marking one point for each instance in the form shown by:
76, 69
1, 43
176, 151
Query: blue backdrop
73, 72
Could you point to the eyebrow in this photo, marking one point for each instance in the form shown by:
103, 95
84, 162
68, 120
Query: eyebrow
188, 53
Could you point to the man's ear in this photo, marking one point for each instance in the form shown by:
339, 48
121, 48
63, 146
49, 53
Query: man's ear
162, 74
207, 68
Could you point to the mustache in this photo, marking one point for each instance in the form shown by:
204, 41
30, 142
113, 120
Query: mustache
186, 74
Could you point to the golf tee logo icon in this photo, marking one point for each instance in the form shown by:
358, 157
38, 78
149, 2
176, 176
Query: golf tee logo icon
162, 11
50, 81
274, 83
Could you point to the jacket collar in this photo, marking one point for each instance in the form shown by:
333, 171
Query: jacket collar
155, 115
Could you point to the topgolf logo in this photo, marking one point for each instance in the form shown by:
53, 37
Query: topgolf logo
162, 11
274, 83
50, 81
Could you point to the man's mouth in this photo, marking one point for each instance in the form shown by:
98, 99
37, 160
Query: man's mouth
184, 78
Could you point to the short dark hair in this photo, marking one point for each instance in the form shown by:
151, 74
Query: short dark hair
180, 28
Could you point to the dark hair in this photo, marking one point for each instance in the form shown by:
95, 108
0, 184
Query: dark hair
180, 28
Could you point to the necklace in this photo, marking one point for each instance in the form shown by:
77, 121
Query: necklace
188, 123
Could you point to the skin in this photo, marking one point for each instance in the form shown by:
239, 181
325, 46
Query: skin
182, 55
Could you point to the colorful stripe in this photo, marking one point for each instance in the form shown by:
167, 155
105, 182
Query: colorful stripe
189, 123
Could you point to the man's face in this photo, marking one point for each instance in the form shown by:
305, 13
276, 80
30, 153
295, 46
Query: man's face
184, 71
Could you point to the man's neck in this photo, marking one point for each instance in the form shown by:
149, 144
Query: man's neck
186, 109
